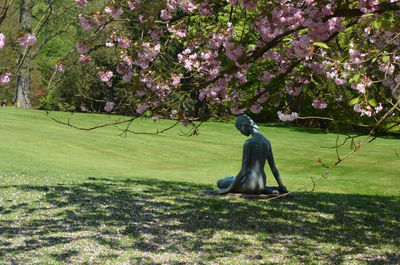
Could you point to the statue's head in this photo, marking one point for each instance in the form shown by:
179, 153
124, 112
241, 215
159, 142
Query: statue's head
245, 124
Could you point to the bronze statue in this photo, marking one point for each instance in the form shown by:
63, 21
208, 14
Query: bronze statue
252, 179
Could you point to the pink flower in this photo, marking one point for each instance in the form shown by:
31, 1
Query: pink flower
249, 4
256, 108
5, 78
105, 75
287, 117
357, 108
60, 67
85, 59
81, 47
2, 40
115, 13
140, 93
186, 123
124, 42
165, 14
237, 111
319, 104
339, 81
127, 76
81, 3
205, 9
86, 23
109, 106
27, 40
233, 2
176, 79
142, 108
134, 5
378, 108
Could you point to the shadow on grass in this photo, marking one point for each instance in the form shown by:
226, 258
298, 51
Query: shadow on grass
153, 217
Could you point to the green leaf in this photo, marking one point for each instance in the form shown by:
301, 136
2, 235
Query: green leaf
377, 24
389, 16
372, 102
354, 101
321, 44
374, 59
385, 58
356, 77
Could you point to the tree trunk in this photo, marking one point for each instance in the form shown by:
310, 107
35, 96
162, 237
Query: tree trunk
23, 79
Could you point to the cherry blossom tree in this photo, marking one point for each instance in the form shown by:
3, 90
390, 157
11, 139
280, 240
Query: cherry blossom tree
233, 56
192, 60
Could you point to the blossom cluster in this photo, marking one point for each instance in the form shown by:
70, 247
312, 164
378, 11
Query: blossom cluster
289, 41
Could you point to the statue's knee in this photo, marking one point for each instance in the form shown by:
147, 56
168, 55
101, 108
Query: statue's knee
219, 183
223, 183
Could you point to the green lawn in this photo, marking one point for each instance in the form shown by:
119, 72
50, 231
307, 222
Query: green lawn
93, 197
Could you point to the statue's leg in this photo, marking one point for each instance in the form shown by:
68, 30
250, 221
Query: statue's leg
224, 183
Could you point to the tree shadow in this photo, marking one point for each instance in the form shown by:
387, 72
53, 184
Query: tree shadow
155, 217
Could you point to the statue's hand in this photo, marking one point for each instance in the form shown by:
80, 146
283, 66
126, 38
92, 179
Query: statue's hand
283, 189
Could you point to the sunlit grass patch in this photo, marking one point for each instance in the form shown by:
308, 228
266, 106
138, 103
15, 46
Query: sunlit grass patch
68, 196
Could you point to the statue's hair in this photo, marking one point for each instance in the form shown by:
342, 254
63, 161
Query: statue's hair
246, 120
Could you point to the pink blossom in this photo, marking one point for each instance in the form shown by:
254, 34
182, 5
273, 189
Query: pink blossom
81, 3
205, 9
140, 93
356, 56
256, 108
263, 98
186, 5
319, 104
378, 108
109, 43
5, 78
237, 111
233, 2
81, 47
249, 4
85, 59
105, 75
60, 67
115, 13
86, 23
2, 40
359, 87
339, 81
142, 108
266, 77
165, 14
357, 108
124, 42
176, 79
181, 33
99, 18
27, 40
300, 46
127, 76
154, 118
109, 106
134, 5
368, 6
287, 117
186, 123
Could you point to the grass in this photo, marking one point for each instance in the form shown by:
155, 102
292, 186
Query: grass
78, 197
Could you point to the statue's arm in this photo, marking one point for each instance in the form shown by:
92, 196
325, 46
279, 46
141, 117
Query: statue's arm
242, 173
275, 171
